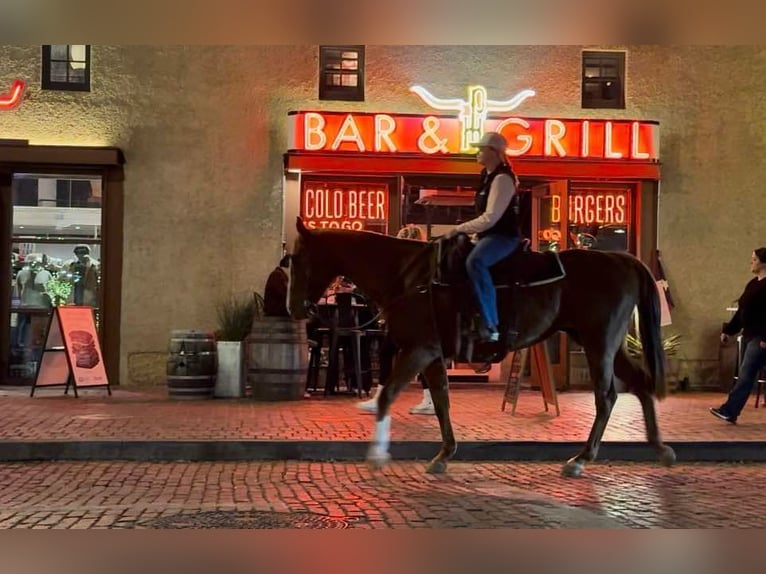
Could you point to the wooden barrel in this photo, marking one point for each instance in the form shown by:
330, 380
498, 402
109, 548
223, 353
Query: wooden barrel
192, 365
276, 352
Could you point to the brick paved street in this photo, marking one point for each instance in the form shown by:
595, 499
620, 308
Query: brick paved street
333, 495
476, 415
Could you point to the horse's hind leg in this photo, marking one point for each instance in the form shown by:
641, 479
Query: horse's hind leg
638, 383
406, 365
436, 377
602, 373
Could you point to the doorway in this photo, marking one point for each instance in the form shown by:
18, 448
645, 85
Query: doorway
61, 232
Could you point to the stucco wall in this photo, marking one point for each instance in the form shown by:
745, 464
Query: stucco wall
203, 131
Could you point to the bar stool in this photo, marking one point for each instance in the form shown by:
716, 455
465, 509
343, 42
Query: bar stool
348, 334
319, 336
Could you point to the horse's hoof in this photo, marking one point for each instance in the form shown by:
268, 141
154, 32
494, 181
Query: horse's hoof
377, 459
436, 467
667, 456
573, 468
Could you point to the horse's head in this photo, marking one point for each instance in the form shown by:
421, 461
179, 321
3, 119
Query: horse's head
310, 273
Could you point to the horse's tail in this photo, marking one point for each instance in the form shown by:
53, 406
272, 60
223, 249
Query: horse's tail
649, 330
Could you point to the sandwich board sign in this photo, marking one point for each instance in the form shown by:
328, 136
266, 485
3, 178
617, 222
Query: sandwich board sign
72, 353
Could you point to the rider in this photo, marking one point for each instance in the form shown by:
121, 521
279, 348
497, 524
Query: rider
497, 225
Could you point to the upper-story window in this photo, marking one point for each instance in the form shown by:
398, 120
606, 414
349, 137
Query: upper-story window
66, 67
341, 73
603, 79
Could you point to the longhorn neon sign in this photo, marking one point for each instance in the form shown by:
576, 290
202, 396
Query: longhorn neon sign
472, 112
13, 97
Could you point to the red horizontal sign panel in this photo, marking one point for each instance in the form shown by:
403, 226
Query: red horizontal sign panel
344, 205
442, 135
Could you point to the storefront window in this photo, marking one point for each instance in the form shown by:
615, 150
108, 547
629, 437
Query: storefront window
55, 258
600, 218
437, 209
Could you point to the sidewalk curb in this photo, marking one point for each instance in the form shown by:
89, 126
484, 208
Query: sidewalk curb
354, 451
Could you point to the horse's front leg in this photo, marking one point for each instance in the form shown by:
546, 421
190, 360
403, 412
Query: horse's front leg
406, 366
436, 378
605, 395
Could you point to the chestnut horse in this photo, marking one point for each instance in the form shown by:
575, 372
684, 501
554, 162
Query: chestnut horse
593, 303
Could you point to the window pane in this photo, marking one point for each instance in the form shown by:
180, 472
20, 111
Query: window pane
350, 64
592, 71
349, 80
592, 90
59, 71
351, 55
60, 52
77, 76
611, 90
77, 53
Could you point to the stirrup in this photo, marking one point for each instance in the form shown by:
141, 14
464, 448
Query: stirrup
483, 368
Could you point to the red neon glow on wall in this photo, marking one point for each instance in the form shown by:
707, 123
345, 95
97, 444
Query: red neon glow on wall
12, 99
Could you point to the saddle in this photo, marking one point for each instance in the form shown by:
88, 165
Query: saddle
523, 268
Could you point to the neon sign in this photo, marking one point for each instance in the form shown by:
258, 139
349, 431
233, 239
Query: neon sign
334, 205
594, 208
472, 113
381, 133
13, 97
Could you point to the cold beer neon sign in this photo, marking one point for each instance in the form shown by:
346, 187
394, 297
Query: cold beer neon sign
334, 205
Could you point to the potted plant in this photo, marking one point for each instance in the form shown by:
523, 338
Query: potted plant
235, 319
669, 346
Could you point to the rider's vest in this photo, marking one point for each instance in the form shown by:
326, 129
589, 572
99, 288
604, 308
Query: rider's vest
510, 222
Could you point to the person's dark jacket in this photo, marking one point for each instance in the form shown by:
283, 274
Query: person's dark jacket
275, 294
750, 317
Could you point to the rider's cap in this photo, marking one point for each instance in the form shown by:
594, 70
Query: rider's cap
494, 141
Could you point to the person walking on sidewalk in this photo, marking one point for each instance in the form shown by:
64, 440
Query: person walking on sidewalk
750, 319
386, 356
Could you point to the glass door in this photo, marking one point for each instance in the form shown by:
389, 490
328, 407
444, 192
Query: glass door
549, 220
55, 259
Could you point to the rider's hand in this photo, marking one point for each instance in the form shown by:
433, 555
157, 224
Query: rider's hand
451, 234
724, 338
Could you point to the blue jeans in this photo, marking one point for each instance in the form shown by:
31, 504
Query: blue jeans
488, 251
753, 360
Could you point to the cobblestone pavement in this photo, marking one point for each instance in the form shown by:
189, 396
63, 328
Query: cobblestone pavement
339, 495
476, 415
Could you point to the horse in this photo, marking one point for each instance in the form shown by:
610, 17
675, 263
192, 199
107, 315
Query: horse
594, 303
